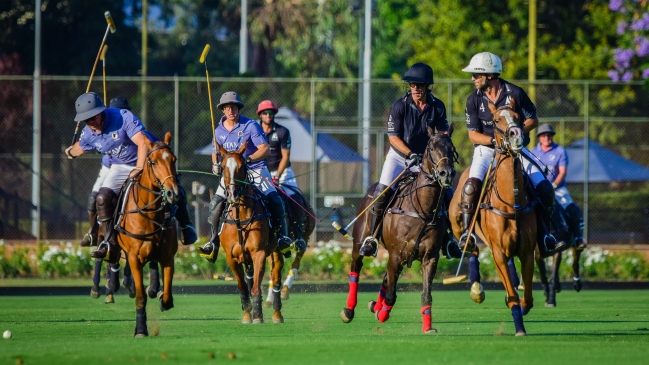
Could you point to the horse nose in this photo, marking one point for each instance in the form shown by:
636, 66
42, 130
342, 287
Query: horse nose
171, 197
446, 175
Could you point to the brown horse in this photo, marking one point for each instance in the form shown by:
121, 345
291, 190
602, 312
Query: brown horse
411, 230
145, 229
505, 220
247, 239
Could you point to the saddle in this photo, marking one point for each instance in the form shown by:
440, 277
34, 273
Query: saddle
229, 217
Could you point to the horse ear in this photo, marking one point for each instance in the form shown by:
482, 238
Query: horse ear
168, 138
511, 103
451, 129
242, 149
222, 150
492, 107
431, 132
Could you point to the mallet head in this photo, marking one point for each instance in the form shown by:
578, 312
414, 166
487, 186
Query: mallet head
109, 20
342, 230
204, 54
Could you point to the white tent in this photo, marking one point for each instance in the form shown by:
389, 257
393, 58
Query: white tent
328, 149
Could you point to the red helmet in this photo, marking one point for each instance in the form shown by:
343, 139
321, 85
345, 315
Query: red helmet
266, 105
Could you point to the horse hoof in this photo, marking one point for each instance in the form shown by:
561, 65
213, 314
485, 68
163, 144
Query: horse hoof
550, 305
284, 292
268, 304
163, 306
278, 318
347, 315
520, 334
94, 292
430, 331
577, 285
258, 320
371, 305
141, 335
247, 319
151, 293
477, 292
109, 299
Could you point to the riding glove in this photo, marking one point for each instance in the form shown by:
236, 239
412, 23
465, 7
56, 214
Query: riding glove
415, 159
217, 169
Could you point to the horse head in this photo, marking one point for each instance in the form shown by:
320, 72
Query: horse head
438, 159
162, 168
235, 172
509, 135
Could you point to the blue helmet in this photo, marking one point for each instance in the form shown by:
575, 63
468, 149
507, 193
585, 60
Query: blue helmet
87, 106
419, 73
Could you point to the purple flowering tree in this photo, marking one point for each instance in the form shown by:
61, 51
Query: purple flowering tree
632, 55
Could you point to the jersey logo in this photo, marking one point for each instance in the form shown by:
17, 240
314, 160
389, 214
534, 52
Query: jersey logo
509, 98
115, 135
482, 107
273, 137
240, 134
552, 157
222, 138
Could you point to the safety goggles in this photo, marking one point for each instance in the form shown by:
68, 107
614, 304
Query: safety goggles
268, 112
416, 85
476, 76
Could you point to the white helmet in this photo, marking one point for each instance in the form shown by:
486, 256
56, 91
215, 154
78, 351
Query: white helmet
486, 63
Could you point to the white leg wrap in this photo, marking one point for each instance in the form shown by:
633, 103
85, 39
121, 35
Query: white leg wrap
289, 279
269, 297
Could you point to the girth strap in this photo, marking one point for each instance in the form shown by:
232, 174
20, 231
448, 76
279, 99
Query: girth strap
430, 218
489, 207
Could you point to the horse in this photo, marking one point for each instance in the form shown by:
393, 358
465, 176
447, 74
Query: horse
505, 219
553, 286
412, 229
145, 227
300, 220
247, 239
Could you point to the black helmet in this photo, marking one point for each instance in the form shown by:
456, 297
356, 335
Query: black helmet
120, 102
420, 73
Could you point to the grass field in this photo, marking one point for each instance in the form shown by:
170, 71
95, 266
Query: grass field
591, 327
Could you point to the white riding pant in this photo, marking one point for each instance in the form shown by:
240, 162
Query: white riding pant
393, 166
103, 172
562, 196
116, 176
482, 157
260, 178
287, 179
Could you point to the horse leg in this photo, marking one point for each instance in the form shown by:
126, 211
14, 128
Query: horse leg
112, 281
140, 297
165, 296
259, 267
154, 280
540, 263
429, 267
128, 280
270, 296
244, 292
551, 300
527, 274
576, 278
94, 291
511, 265
292, 274
250, 272
347, 314
511, 299
477, 292
394, 270
276, 275
375, 305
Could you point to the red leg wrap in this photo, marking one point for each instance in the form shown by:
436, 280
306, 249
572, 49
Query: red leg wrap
353, 290
425, 318
380, 299
384, 313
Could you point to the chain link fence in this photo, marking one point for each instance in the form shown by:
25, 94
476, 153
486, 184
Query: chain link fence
613, 115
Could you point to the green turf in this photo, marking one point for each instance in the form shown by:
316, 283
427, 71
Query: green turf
591, 327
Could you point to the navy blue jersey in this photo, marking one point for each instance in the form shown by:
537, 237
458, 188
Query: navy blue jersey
279, 138
479, 117
409, 123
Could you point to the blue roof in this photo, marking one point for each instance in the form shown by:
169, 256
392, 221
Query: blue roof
604, 165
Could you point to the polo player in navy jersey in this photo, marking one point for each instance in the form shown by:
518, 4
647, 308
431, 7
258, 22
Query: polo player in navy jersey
232, 131
121, 135
410, 116
485, 69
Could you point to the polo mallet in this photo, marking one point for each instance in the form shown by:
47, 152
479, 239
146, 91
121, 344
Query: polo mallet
103, 60
460, 278
345, 231
209, 91
110, 27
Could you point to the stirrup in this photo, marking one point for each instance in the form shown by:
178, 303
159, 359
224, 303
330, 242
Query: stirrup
453, 250
370, 247
211, 257
558, 247
98, 254
86, 241
581, 245
469, 241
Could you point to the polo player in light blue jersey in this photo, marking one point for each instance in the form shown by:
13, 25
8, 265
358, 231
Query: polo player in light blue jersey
233, 130
121, 135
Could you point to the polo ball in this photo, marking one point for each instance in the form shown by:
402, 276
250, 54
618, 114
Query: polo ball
7, 335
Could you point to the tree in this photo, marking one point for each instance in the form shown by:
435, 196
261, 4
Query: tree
632, 55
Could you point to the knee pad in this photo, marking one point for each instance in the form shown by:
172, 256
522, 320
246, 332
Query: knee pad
214, 205
106, 199
470, 195
92, 202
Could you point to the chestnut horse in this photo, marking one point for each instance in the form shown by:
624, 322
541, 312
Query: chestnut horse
505, 220
247, 239
145, 229
412, 228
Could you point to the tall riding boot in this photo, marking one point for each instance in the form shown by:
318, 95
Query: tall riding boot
548, 244
371, 244
278, 221
210, 250
106, 202
468, 206
90, 239
450, 246
576, 225
296, 217
182, 215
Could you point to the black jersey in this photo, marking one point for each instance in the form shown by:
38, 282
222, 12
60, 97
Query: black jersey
279, 138
409, 123
479, 117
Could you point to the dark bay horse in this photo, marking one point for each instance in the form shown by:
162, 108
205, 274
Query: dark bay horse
247, 239
411, 230
145, 228
553, 286
505, 219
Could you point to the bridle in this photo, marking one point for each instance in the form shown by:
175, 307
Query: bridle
239, 185
434, 175
512, 140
